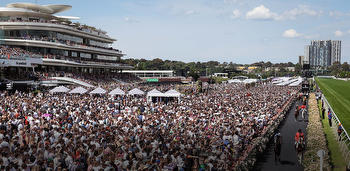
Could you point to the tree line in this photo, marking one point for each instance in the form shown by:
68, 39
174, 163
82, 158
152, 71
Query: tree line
197, 69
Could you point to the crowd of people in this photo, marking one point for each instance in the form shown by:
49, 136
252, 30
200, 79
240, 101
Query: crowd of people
62, 41
209, 131
9, 52
106, 80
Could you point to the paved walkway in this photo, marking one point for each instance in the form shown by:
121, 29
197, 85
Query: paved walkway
289, 160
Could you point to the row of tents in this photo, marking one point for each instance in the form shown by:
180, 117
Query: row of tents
98, 90
118, 91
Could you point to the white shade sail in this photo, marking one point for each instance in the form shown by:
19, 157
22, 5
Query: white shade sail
117, 91
98, 90
136, 91
59, 89
78, 90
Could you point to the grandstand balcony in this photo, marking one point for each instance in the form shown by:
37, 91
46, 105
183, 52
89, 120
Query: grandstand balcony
87, 64
55, 45
56, 28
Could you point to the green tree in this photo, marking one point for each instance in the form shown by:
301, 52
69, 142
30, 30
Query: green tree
345, 66
194, 74
298, 69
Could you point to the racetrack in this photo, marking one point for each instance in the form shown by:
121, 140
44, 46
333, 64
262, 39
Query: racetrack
289, 160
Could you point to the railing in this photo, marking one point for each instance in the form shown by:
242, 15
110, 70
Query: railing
60, 25
20, 57
343, 140
270, 131
72, 44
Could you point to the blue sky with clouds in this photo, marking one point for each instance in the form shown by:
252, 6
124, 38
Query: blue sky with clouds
239, 31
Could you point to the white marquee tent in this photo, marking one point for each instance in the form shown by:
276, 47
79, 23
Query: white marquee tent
158, 94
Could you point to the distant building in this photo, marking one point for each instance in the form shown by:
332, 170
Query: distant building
306, 54
290, 69
301, 60
323, 53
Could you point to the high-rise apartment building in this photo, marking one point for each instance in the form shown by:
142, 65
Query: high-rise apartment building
336, 47
323, 53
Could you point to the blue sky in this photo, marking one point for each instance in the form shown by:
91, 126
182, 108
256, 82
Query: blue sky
239, 31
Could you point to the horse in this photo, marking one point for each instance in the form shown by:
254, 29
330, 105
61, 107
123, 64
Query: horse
296, 114
277, 150
300, 149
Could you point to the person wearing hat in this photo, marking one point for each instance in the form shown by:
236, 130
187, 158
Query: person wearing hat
340, 130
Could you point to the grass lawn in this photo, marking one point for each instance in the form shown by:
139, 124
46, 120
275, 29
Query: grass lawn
337, 159
337, 93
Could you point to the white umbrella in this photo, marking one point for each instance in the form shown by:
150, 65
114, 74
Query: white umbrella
117, 91
136, 91
79, 90
98, 90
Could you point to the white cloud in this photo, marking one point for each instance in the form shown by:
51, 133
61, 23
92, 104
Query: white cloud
129, 20
126, 19
302, 10
186, 13
338, 33
261, 13
336, 14
235, 14
291, 33
348, 13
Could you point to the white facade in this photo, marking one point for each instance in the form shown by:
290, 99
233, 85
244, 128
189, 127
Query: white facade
336, 51
150, 73
307, 54
323, 53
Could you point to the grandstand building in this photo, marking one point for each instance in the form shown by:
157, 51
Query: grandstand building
34, 38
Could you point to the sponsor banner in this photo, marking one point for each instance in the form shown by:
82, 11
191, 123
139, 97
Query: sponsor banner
20, 63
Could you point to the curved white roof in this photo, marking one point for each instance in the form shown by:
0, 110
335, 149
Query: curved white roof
31, 6
68, 17
58, 8
46, 9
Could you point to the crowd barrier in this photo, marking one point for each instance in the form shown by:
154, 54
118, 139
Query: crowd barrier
344, 140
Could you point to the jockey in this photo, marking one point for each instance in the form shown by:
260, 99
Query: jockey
299, 135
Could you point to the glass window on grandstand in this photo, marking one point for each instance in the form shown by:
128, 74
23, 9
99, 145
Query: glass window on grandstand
74, 54
85, 55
